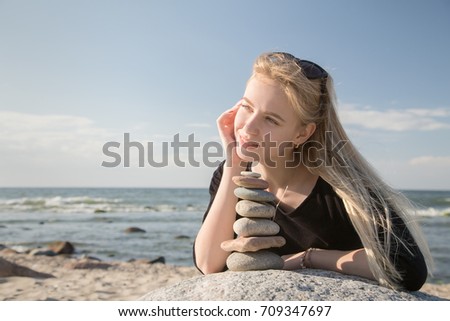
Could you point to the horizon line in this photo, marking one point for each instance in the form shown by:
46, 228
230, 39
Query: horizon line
188, 187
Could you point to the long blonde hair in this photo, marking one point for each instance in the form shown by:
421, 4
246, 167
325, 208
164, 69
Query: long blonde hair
369, 201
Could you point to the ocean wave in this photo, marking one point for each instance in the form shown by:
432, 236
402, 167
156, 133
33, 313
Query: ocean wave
86, 204
115, 204
433, 212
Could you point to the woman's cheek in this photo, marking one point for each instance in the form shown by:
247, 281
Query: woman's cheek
238, 120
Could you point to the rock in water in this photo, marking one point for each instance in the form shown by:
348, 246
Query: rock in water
61, 247
160, 259
255, 227
261, 260
134, 229
41, 251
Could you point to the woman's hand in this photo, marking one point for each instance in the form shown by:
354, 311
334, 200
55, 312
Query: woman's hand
225, 125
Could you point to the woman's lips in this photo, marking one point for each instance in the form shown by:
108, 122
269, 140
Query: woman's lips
247, 144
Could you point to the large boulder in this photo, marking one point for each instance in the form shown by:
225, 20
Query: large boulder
279, 285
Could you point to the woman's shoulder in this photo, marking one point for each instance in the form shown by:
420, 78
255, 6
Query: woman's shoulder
322, 187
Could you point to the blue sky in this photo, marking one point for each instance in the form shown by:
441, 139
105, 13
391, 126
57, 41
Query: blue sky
77, 74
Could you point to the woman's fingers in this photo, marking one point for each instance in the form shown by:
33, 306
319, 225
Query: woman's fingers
230, 113
225, 123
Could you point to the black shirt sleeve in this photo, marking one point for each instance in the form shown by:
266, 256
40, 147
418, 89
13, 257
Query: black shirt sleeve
407, 257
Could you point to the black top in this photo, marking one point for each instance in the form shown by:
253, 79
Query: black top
321, 221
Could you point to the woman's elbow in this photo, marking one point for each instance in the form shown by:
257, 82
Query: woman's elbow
208, 268
415, 280
414, 275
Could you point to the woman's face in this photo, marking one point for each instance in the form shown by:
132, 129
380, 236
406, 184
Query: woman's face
266, 126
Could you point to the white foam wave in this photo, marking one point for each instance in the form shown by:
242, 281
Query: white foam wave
433, 212
85, 204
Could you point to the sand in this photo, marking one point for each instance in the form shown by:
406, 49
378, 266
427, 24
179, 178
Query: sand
119, 281
86, 280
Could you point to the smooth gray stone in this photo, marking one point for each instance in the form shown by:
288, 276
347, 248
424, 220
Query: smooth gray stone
255, 227
279, 285
254, 194
254, 209
250, 182
250, 261
252, 243
251, 174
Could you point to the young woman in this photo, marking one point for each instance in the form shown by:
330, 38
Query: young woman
334, 211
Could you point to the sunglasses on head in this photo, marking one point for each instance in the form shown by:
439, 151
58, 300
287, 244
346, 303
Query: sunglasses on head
311, 70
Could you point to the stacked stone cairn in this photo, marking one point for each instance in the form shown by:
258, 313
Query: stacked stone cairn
256, 230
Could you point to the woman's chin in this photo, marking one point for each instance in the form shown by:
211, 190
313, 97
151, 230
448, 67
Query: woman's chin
248, 154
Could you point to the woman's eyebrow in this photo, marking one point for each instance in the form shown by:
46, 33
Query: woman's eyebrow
248, 101
274, 115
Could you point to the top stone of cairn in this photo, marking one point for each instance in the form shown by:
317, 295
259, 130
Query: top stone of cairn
250, 182
250, 174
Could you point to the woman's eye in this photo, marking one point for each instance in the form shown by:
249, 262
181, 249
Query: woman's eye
272, 120
246, 107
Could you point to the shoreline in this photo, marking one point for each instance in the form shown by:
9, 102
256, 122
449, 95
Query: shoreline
78, 279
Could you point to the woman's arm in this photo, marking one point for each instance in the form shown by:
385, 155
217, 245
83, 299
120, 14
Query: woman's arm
346, 262
218, 224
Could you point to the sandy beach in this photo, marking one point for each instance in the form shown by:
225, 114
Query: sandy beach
89, 280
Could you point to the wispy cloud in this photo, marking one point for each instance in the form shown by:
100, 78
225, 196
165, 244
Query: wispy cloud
198, 125
395, 119
434, 161
51, 133
56, 138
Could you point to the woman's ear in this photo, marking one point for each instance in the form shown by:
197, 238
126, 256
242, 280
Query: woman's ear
304, 133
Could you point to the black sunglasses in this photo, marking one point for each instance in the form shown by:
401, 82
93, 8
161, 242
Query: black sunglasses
311, 70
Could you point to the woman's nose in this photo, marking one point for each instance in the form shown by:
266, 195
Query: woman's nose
251, 126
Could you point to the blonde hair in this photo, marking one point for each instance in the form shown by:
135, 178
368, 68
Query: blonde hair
369, 201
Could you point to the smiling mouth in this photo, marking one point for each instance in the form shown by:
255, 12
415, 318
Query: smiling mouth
248, 144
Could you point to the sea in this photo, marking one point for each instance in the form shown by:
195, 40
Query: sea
95, 220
